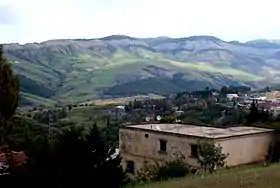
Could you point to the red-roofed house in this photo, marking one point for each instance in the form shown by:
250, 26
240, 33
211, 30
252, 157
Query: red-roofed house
18, 159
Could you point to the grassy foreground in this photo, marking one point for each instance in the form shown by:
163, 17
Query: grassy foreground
252, 177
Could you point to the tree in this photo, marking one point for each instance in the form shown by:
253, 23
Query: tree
111, 131
9, 95
224, 91
210, 156
85, 159
253, 115
63, 113
79, 157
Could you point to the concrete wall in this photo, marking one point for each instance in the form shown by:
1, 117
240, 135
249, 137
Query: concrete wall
246, 149
136, 147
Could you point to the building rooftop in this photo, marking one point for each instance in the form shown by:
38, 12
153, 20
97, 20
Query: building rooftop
201, 131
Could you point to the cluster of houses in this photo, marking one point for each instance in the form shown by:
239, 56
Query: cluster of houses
243, 144
150, 142
269, 101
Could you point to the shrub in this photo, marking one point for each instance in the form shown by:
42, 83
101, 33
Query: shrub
173, 168
148, 172
158, 171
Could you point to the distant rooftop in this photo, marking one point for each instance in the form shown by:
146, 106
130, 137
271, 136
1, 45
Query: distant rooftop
201, 131
120, 107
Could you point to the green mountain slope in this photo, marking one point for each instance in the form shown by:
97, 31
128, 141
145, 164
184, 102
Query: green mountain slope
120, 65
29, 99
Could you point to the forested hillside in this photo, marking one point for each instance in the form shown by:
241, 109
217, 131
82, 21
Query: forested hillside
121, 66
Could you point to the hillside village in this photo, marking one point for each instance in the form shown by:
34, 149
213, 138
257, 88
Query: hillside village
139, 94
157, 140
153, 129
137, 139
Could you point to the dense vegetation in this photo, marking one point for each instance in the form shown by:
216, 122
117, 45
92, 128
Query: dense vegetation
196, 107
30, 86
9, 97
64, 156
161, 86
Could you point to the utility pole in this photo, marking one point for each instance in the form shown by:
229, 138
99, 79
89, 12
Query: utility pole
153, 114
50, 126
51, 160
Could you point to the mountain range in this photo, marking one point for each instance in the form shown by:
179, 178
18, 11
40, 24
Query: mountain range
118, 65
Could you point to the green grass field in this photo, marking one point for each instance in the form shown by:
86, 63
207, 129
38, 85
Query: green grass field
121, 100
249, 177
205, 67
87, 116
36, 100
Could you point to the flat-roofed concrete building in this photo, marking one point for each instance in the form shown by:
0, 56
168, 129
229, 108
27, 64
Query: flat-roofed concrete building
149, 142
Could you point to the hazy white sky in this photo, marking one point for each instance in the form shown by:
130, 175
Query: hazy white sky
38, 20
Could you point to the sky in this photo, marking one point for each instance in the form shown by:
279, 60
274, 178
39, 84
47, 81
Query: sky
24, 21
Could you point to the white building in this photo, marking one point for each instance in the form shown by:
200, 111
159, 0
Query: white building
118, 111
232, 96
158, 142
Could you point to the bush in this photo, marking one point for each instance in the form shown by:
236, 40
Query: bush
148, 172
173, 169
168, 119
161, 171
